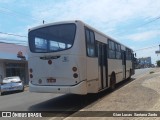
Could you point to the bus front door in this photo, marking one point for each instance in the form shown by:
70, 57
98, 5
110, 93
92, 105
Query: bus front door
102, 60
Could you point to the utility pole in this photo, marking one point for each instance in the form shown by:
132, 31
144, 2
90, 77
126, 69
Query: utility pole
158, 52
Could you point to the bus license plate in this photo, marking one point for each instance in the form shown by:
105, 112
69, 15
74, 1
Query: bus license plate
51, 80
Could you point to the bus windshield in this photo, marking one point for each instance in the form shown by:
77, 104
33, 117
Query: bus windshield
52, 38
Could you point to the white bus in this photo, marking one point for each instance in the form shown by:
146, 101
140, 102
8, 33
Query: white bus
72, 57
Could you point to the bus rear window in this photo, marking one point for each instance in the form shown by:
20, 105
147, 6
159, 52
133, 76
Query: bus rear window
52, 38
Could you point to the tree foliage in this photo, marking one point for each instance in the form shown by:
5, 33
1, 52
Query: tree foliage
158, 63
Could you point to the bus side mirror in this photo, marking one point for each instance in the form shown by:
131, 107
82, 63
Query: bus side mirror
135, 54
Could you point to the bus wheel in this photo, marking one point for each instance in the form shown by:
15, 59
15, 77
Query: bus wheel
112, 81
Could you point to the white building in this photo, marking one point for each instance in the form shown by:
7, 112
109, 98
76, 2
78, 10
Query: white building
10, 64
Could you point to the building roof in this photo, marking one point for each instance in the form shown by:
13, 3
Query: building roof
9, 51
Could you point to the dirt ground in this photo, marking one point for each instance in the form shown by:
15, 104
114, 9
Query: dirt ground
142, 94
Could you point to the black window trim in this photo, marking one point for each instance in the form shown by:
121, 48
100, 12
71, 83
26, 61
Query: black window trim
110, 49
118, 51
128, 54
115, 50
90, 30
49, 26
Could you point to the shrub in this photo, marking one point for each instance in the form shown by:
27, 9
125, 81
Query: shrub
158, 63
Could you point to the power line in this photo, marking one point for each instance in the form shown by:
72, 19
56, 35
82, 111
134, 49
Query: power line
13, 34
146, 48
15, 13
7, 12
153, 20
12, 39
150, 21
17, 41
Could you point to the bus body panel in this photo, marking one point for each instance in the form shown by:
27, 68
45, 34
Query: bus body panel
92, 75
60, 70
115, 65
89, 71
92, 69
101, 38
80, 88
128, 68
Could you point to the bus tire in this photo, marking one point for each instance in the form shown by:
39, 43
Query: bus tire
112, 81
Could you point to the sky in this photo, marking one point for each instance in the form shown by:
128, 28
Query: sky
134, 23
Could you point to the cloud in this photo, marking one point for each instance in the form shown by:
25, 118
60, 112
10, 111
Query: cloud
144, 36
102, 11
105, 15
7, 1
108, 16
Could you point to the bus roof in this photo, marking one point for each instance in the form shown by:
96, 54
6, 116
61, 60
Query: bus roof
74, 21
49, 24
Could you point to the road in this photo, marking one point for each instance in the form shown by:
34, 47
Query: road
139, 72
26, 101
142, 93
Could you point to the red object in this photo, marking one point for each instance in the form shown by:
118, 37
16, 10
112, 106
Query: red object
49, 62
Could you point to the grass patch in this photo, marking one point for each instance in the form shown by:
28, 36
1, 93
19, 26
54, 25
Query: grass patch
151, 72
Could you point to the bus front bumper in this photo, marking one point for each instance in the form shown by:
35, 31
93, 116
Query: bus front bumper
80, 88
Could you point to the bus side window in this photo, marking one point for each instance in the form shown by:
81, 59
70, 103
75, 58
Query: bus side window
112, 49
128, 54
90, 42
118, 51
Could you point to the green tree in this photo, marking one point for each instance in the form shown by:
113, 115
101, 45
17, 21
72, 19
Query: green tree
158, 63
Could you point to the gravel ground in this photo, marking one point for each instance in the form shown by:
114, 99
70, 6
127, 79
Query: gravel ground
142, 94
